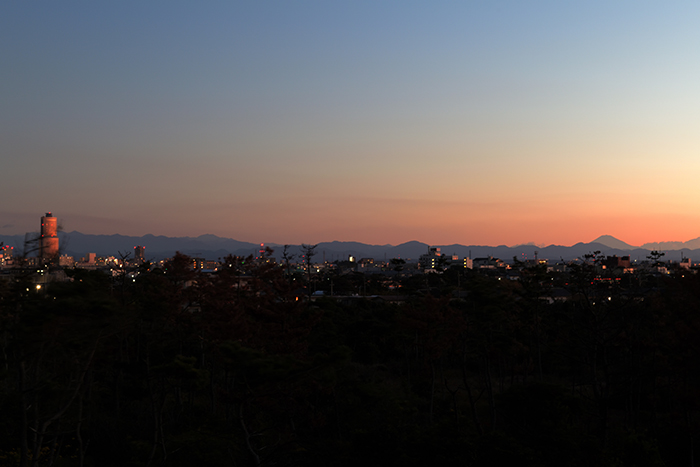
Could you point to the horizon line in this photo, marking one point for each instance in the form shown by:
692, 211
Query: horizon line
626, 246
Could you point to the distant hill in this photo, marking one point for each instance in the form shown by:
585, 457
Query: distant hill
693, 244
612, 242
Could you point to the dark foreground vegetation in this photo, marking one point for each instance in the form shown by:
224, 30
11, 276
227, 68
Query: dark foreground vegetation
239, 368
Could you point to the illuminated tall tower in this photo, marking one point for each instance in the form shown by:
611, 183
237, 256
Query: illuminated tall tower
48, 241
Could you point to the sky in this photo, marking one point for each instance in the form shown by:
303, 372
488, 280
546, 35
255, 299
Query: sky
475, 122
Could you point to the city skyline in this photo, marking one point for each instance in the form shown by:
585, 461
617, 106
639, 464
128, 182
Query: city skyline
382, 123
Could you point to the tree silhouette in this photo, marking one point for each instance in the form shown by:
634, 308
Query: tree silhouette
655, 257
309, 251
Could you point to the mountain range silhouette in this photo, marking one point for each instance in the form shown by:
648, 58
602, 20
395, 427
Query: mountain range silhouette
209, 246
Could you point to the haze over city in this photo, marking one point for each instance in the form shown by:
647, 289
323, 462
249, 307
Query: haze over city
379, 122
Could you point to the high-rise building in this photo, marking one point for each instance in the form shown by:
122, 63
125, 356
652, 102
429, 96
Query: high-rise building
48, 241
430, 260
139, 254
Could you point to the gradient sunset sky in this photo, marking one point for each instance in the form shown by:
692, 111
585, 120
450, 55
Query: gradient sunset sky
475, 122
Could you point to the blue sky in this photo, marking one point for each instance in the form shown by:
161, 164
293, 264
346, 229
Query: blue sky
383, 122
